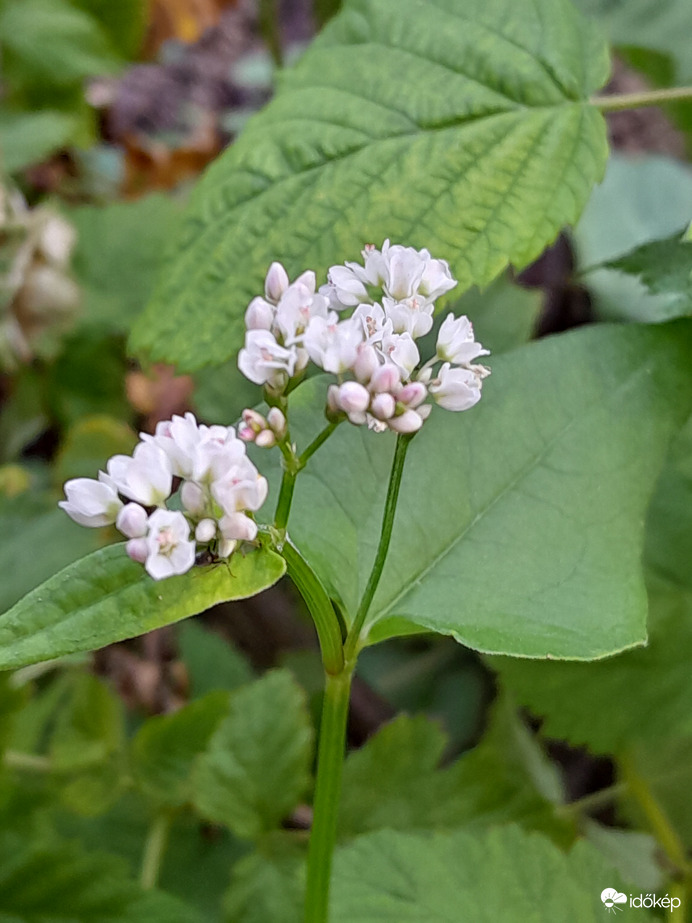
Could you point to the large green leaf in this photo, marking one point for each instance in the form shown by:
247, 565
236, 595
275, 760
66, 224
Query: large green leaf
59, 882
502, 874
105, 597
461, 128
519, 527
257, 764
642, 695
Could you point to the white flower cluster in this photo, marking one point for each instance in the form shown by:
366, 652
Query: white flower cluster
218, 485
372, 351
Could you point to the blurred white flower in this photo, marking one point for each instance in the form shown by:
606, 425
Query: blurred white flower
91, 503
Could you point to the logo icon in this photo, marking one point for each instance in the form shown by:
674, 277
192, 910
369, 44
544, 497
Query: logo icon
611, 898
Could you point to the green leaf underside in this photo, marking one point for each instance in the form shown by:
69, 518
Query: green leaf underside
503, 874
105, 597
519, 526
466, 131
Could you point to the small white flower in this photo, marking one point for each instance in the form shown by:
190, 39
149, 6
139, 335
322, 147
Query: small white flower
400, 349
333, 346
170, 550
457, 388
436, 279
91, 503
275, 283
405, 267
264, 361
456, 343
242, 488
238, 527
146, 477
413, 316
345, 288
297, 306
132, 521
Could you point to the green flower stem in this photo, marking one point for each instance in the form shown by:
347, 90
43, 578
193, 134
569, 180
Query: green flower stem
292, 465
283, 507
330, 759
320, 608
353, 639
316, 443
154, 849
639, 100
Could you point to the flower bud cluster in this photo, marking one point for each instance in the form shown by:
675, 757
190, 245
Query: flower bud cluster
263, 431
362, 326
215, 484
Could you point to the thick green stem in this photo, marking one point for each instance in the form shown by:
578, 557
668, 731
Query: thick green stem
320, 607
640, 100
154, 848
283, 507
330, 760
353, 640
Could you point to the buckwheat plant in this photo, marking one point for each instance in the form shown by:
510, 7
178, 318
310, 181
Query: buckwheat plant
540, 528
190, 489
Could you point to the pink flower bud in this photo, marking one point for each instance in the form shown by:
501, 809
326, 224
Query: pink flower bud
266, 439
246, 433
132, 521
383, 406
408, 422
412, 394
385, 378
259, 315
276, 283
205, 531
277, 422
353, 397
137, 549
